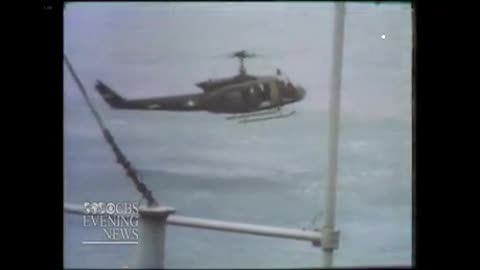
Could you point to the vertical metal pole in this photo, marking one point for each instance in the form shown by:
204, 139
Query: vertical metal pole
151, 240
330, 242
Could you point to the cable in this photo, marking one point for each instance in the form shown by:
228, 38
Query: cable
121, 159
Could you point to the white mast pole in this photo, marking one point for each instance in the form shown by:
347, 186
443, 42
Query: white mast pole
330, 242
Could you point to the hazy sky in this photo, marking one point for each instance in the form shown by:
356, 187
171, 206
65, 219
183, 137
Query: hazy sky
157, 49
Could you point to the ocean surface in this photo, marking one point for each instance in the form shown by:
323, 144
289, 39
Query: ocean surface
269, 173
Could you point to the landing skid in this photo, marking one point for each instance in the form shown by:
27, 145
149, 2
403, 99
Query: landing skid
278, 116
246, 115
254, 117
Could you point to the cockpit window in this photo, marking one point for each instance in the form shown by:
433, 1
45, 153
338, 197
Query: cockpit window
283, 78
284, 81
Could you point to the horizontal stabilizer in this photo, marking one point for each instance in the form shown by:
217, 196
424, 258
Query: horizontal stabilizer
111, 97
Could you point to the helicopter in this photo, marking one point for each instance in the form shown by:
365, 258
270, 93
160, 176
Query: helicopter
242, 95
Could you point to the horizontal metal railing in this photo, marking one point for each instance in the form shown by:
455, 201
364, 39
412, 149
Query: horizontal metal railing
226, 226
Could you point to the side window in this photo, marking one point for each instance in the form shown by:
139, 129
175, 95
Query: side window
266, 88
258, 91
265, 91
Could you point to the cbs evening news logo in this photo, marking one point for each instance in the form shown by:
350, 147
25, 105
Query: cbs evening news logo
118, 222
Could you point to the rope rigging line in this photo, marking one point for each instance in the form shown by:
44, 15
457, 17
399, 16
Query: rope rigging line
121, 158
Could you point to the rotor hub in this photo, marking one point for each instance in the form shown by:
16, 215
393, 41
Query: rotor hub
241, 55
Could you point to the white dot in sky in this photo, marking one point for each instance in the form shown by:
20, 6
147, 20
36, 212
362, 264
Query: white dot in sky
384, 36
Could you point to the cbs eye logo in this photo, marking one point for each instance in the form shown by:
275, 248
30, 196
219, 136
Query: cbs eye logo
99, 208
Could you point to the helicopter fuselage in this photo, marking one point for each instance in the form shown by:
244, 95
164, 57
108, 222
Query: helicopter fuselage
252, 95
257, 94
242, 93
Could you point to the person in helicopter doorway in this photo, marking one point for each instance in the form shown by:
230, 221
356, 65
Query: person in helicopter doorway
286, 82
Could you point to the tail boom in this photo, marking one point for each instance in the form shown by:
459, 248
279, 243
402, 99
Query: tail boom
190, 102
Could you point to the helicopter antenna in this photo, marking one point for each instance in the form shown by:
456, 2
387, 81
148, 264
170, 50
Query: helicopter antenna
241, 55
